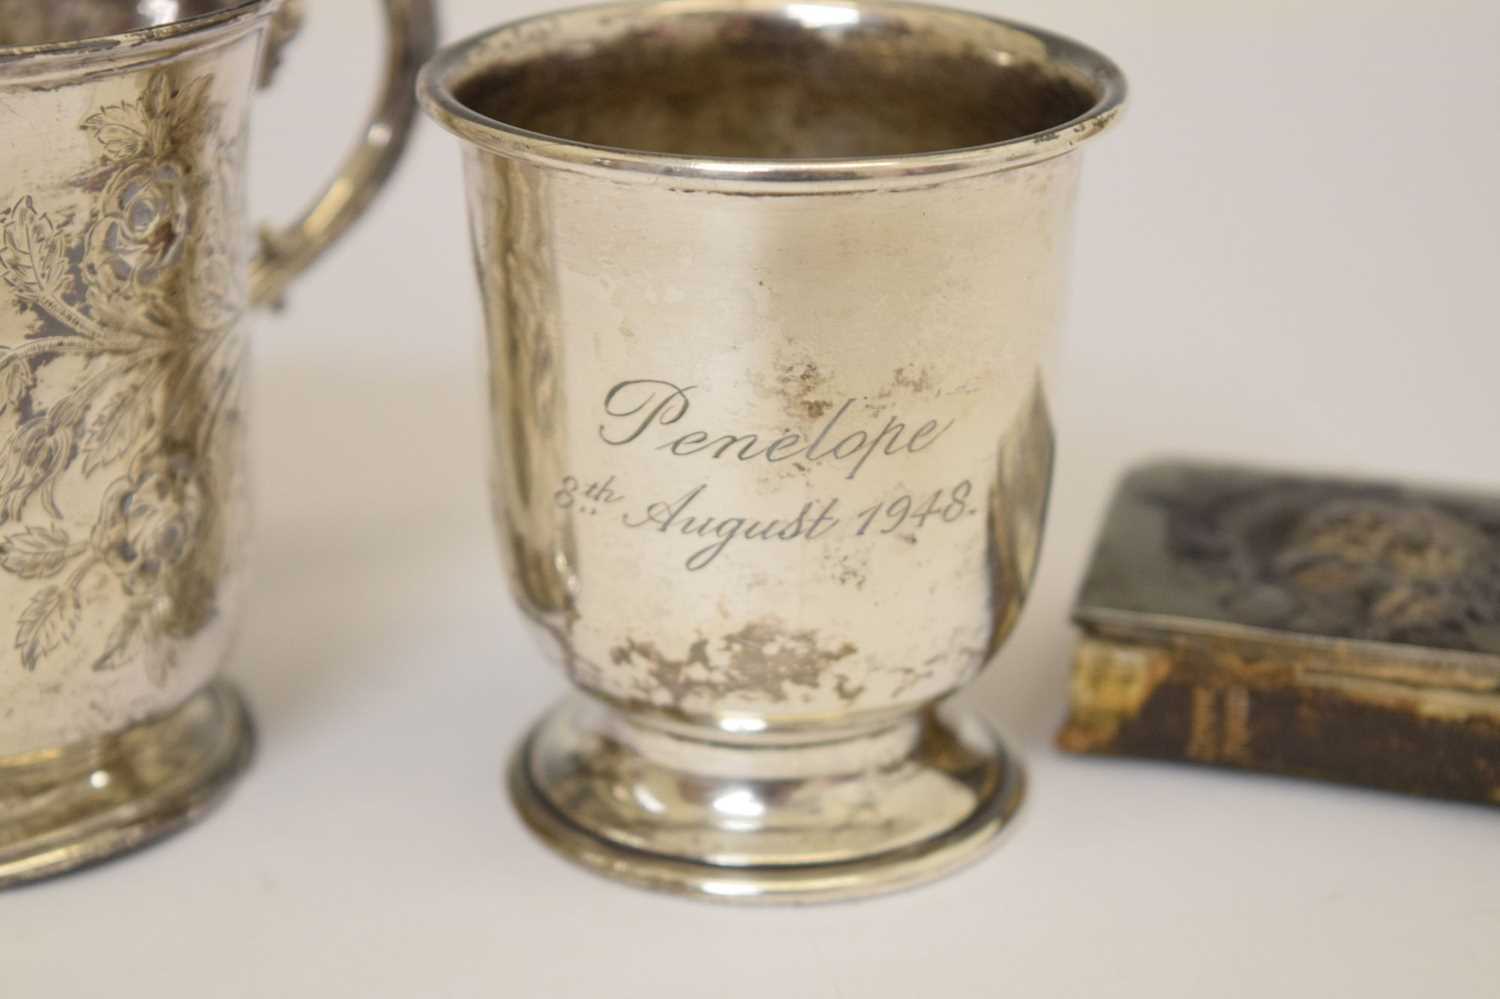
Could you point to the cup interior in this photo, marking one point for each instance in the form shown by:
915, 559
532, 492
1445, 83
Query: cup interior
794, 82
45, 22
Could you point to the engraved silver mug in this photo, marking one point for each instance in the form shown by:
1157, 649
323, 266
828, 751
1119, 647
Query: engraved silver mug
125, 275
767, 286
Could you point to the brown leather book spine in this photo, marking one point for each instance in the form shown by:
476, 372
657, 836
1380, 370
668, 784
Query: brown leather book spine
1258, 706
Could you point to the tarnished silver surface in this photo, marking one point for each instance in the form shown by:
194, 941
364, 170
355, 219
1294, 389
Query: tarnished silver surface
125, 276
767, 290
1315, 626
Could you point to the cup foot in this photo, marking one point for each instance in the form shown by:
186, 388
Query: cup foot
820, 821
64, 809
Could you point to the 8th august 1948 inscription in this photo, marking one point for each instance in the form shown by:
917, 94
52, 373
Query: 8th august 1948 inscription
646, 413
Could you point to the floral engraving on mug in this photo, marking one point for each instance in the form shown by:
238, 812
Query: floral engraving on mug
127, 376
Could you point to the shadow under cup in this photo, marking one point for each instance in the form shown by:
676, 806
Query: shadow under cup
766, 289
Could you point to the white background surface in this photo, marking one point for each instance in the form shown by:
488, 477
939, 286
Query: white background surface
1289, 252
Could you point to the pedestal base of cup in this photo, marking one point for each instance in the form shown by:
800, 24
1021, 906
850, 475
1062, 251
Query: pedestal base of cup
867, 813
78, 805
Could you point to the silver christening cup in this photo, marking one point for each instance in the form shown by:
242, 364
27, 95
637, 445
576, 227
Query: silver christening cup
125, 275
767, 286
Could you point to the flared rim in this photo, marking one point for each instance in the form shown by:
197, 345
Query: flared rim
464, 60
134, 38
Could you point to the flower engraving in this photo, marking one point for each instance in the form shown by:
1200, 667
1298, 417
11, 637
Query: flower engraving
149, 521
137, 236
141, 293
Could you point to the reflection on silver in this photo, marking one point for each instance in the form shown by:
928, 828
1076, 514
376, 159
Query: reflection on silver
157, 12
740, 803
767, 288
819, 15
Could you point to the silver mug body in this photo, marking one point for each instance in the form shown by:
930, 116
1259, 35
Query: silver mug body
771, 446
126, 273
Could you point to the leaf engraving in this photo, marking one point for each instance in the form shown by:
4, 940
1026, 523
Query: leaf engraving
31, 461
155, 101
125, 639
190, 109
16, 380
48, 621
36, 552
143, 278
32, 260
117, 129
119, 423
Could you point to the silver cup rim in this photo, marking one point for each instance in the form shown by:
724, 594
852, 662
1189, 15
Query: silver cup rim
39, 57
469, 57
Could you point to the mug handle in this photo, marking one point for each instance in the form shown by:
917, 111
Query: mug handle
284, 253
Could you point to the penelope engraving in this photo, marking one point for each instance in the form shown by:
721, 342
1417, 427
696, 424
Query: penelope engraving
637, 410
635, 407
